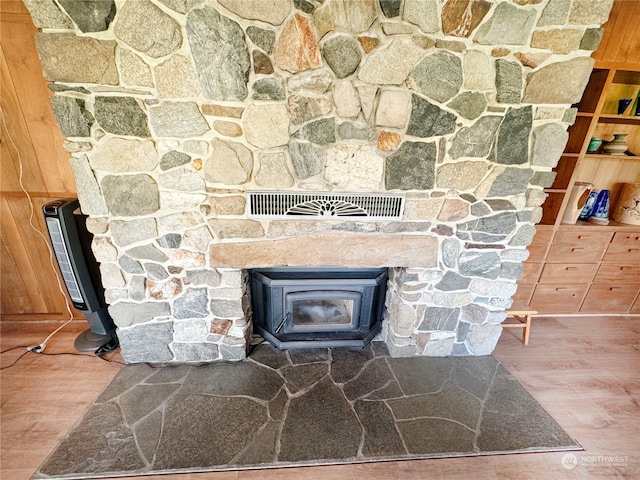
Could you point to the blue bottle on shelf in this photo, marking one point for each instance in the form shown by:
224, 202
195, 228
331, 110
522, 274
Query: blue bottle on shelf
600, 212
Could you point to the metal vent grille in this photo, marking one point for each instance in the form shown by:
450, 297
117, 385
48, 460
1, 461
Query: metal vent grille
325, 205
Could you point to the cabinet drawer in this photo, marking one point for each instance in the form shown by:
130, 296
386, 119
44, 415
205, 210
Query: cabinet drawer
578, 247
625, 248
568, 273
530, 272
558, 298
612, 273
609, 299
538, 247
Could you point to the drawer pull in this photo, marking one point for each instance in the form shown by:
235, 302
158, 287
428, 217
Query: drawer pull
570, 268
576, 249
560, 289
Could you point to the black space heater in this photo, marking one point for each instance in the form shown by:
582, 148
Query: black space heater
71, 242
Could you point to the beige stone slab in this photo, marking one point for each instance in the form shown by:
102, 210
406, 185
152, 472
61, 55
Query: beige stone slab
346, 250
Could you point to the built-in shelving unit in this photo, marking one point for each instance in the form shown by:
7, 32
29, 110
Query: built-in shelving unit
582, 267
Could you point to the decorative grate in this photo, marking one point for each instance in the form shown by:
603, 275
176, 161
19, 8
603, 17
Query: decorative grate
325, 205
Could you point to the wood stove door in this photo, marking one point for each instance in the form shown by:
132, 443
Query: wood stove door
321, 311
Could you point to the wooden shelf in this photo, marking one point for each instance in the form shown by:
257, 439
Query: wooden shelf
619, 119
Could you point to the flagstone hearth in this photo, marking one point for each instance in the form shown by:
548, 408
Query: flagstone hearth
303, 407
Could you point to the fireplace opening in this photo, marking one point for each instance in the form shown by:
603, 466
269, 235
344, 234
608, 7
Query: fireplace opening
326, 307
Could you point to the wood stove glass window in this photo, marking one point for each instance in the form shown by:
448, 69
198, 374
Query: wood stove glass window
323, 310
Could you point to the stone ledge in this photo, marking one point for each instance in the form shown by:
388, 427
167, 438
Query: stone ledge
334, 250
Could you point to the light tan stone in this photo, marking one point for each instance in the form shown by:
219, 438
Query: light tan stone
367, 94
423, 13
354, 167
222, 110
453, 210
390, 65
272, 11
353, 16
273, 171
560, 41
478, 71
422, 208
125, 155
227, 205
134, 70
346, 250
588, 12
266, 126
345, 99
177, 78
231, 163
228, 129
394, 107
230, 229
461, 175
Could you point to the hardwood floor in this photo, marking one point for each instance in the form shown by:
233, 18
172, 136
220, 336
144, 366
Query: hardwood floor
583, 370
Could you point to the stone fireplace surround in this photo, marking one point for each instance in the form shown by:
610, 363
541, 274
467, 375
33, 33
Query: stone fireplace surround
174, 109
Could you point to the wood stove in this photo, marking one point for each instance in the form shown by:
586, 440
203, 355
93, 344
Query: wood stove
318, 307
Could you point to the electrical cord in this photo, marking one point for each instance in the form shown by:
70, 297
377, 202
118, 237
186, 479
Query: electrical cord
97, 354
42, 345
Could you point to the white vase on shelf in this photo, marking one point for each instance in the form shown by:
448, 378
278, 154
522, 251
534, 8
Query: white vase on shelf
618, 146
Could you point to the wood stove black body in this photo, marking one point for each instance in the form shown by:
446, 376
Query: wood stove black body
318, 307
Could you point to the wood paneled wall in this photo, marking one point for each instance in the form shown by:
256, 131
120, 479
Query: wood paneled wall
31, 155
32, 141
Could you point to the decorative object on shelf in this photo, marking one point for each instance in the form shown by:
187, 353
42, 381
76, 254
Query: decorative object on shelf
588, 207
628, 207
600, 213
623, 103
617, 146
637, 112
594, 145
579, 196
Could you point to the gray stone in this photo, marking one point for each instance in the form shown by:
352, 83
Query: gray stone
271, 88
473, 314
513, 181
412, 166
511, 270
461, 175
508, 81
423, 13
303, 109
355, 131
138, 288
351, 17
390, 8
492, 288
147, 29
121, 116
450, 252
512, 145
589, 12
469, 105
390, 65
500, 204
231, 163
125, 314
334, 418
315, 82
343, 55
94, 16
226, 229
482, 339
273, 12
452, 281
87, 187
591, 39
262, 38
182, 6
47, 14
307, 159
220, 54
437, 76
321, 131
523, 237
131, 195
508, 25
73, 118
68, 58
478, 264
227, 308
135, 346
439, 319
125, 232
155, 271
118, 155
560, 82
429, 120
196, 352
549, 141
476, 140
192, 304
147, 252
501, 223
555, 13
173, 159
169, 240
130, 265
266, 126
177, 119
543, 179
304, 6
210, 278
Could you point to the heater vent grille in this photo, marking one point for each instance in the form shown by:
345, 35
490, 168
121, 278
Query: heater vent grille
325, 205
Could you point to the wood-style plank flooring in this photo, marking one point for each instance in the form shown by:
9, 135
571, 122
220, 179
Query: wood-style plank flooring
583, 370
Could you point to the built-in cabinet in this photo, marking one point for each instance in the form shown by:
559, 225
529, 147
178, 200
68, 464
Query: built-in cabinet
583, 267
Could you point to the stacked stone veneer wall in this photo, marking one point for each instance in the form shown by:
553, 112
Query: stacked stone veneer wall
173, 109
